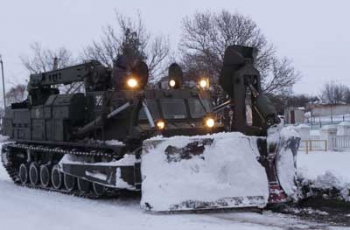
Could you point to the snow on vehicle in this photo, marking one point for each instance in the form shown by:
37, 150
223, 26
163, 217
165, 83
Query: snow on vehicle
120, 135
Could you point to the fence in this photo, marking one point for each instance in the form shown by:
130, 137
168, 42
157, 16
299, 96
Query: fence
319, 122
335, 143
313, 145
340, 143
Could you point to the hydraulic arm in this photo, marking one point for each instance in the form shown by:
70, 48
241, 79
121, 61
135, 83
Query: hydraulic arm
241, 81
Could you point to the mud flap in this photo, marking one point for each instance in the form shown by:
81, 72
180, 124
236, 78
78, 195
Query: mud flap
208, 172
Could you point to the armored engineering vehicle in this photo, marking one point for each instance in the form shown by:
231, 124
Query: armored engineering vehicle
106, 139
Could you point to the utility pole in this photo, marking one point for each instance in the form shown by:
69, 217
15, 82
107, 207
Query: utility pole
3, 81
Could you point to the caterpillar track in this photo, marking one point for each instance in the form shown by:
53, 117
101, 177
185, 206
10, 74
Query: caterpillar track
12, 169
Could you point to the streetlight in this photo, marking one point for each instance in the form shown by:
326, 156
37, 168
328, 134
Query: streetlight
3, 81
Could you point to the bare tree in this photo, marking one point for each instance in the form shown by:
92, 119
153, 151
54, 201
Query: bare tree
16, 94
206, 36
282, 77
334, 93
347, 96
130, 38
42, 60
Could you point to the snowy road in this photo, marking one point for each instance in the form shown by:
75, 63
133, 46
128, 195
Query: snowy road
23, 208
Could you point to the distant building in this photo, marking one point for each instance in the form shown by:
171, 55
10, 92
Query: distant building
294, 115
322, 110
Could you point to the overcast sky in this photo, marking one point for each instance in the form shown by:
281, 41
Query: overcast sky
314, 34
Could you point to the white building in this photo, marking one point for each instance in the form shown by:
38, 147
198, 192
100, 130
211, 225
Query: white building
294, 115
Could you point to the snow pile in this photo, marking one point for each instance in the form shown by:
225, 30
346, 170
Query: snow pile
98, 175
306, 211
344, 123
303, 130
127, 160
3, 138
227, 174
302, 126
343, 129
120, 183
114, 142
325, 171
315, 132
329, 128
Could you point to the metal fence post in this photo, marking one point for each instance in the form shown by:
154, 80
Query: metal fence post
3, 81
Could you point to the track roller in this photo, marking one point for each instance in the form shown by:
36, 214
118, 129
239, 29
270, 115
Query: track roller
23, 173
34, 175
98, 189
84, 186
69, 182
45, 176
56, 178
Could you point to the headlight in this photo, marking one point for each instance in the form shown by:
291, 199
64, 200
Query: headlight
204, 83
172, 83
209, 122
160, 124
132, 83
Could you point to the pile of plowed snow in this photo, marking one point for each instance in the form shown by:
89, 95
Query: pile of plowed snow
227, 169
3, 138
325, 170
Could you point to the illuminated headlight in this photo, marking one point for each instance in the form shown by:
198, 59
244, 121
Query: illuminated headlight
160, 124
172, 83
203, 83
209, 122
132, 83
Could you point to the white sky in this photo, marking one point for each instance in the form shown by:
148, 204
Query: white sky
315, 34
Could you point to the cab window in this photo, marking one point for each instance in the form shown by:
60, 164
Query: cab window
173, 108
153, 108
196, 107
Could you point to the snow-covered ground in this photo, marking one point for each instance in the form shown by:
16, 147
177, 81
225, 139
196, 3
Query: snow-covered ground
23, 208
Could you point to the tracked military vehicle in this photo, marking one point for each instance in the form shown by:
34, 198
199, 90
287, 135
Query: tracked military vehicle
119, 134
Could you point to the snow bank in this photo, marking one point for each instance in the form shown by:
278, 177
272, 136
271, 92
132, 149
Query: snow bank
343, 129
315, 132
316, 164
344, 123
329, 127
302, 126
325, 170
3, 138
228, 168
303, 130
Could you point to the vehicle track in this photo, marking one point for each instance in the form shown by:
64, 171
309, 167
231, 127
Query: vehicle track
14, 174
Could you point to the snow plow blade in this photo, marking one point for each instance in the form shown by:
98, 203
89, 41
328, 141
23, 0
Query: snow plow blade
282, 146
216, 171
